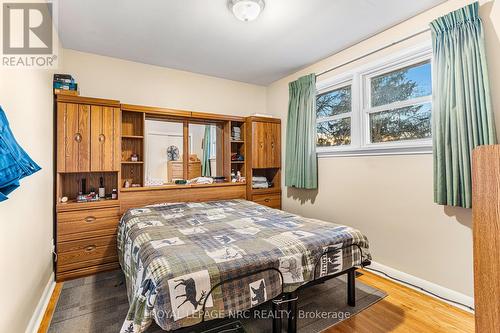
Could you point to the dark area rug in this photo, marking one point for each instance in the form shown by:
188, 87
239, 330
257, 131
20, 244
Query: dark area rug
99, 304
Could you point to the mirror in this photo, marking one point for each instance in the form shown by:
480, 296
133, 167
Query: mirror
164, 151
164, 146
205, 153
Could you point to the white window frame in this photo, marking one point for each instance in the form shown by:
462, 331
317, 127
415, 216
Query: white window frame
341, 83
360, 92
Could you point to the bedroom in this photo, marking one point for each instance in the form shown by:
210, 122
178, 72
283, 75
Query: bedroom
200, 69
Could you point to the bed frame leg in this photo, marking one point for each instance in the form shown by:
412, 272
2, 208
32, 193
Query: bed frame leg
277, 317
292, 312
351, 287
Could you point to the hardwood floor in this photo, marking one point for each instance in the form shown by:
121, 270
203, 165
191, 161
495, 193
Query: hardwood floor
51, 307
403, 310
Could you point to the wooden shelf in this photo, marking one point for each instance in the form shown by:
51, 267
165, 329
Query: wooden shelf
178, 186
74, 205
132, 162
237, 141
238, 162
132, 137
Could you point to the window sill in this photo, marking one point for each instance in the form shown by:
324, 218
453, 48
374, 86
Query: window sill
373, 151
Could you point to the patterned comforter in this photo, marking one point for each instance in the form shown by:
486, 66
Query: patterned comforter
174, 254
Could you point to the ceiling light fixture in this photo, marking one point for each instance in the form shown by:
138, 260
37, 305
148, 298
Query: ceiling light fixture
246, 10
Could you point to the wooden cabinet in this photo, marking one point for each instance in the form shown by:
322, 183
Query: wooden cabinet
266, 145
73, 137
486, 236
105, 133
264, 159
87, 135
88, 147
86, 238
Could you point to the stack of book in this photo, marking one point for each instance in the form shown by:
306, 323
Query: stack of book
236, 133
64, 82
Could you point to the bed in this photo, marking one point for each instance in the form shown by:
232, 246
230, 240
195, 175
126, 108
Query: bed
186, 263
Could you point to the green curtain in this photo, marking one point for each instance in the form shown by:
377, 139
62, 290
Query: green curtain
462, 112
205, 161
301, 169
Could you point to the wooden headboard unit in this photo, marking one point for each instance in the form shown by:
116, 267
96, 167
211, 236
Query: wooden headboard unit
133, 198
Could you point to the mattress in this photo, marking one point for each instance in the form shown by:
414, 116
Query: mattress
224, 257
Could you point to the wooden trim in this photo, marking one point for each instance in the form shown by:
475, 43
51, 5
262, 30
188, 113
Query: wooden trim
185, 150
180, 113
216, 117
51, 307
156, 110
87, 100
264, 119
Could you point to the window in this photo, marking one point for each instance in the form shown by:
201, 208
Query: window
400, 104
381, 108
333, 113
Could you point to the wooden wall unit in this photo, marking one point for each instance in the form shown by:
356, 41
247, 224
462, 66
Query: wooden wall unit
88, 146
486, 236
263, 137
96, 138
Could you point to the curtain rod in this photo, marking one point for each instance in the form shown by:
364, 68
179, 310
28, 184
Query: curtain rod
374, 51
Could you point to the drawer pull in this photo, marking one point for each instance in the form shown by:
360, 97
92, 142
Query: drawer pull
90, 248
267, 200
90, 219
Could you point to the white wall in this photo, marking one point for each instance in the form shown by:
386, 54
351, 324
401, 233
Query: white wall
390, 198
135, 83
26, 217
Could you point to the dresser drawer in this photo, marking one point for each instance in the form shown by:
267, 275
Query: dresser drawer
85, 224
272, 200
89, 215
85, 253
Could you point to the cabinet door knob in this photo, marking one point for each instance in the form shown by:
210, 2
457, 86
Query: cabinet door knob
78, 137
267, 200
102, 138
90, 219
90, 248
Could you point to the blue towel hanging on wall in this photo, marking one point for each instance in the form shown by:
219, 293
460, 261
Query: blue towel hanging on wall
15, 164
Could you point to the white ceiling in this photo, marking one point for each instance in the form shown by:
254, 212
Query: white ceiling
203, 36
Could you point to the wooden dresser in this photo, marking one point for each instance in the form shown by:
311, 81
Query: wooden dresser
88, 147
486, 225
264, 159
175, 170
